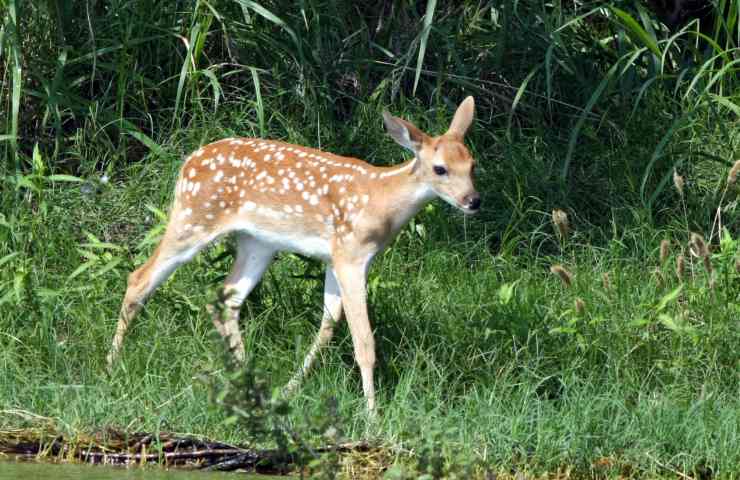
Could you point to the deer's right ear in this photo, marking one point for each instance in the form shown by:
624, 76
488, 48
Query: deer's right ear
403, 132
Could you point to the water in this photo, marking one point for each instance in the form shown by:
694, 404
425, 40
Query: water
11, 470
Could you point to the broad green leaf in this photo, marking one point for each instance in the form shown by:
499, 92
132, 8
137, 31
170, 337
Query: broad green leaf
37, 161
668, 322
64, 178
506, 292
726, 244
79, 270
160, 214
565, 330
88, 254
102, 246
18, 280
108, 267
638, 322
668, 298
152, 236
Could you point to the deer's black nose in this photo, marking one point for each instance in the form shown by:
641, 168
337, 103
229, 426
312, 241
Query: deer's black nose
473, 201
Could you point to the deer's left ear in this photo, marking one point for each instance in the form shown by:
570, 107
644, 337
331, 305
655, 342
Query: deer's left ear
463, 118
404, 133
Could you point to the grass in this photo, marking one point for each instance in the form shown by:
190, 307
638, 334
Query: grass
487, 359
486, 348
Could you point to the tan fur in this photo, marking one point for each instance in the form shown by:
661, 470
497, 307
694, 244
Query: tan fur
277, 196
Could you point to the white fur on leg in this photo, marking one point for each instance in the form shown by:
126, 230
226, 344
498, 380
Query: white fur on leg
252, 259
332, 315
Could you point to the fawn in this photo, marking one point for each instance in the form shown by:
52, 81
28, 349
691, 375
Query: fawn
274, 197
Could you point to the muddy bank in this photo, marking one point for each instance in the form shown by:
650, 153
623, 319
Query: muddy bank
113, 447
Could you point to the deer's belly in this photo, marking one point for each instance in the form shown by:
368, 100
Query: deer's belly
287, 239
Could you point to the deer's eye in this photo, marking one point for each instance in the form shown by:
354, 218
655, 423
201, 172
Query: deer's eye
440, 170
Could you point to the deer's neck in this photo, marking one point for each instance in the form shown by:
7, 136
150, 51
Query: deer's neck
400, 194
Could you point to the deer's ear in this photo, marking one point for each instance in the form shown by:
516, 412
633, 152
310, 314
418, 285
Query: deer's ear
463, 118
403, 132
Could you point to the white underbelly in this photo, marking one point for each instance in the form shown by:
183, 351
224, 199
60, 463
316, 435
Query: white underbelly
294, 242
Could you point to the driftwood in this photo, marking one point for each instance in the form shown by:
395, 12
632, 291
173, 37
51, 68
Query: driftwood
116, 448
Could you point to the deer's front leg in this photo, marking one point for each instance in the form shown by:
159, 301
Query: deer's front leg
352, 284
332, 315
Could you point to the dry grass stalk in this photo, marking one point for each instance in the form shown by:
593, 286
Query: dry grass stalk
560, 220
732, 176
678, 182
606, 281
580, 306
708, 265
698, 246
680, 267
565, 275
665, 246
659, 279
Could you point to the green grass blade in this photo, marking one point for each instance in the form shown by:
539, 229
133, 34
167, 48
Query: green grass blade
259, 105
548, 75
628, 59
706, 68
658, 153
17, 81
519, 93
720, 74
427, 28
643, 90
577, 19
631, 26
8, 258
215, 86
144, 139
262, 11
726, 102
64, 178
582, 119
190, 44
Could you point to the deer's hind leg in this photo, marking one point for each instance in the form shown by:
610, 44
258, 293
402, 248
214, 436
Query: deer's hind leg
252, 259
178, 246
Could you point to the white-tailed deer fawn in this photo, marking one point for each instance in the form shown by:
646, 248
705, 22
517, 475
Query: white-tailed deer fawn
279, 197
